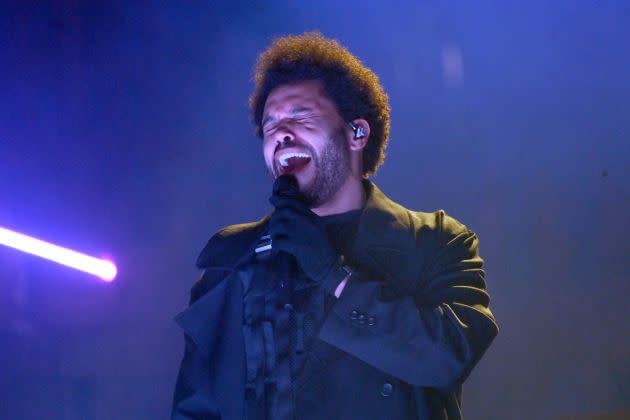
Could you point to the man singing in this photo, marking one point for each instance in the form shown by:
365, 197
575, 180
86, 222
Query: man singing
341, 303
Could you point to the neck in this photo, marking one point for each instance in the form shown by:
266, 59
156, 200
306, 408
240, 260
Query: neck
351, 196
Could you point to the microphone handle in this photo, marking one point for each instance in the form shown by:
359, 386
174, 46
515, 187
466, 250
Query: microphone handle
284, 265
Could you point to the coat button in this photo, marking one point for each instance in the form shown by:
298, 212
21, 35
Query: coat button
354, 314
371, 320
288, 306
362, 319
387, 389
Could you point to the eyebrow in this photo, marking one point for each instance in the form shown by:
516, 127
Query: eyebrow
293, 112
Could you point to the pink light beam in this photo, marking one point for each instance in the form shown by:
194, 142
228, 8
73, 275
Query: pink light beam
104, 269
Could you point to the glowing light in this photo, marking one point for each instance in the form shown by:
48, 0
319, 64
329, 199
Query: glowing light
104, 269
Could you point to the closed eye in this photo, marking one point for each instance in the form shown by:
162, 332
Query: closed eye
270, 128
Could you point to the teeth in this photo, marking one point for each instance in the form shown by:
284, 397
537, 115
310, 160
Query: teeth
283, 158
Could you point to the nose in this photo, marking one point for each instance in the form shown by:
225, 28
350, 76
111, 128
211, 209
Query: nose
284, 137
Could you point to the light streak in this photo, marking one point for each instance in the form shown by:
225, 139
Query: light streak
101, 268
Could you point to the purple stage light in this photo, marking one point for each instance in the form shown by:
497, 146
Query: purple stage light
104, 269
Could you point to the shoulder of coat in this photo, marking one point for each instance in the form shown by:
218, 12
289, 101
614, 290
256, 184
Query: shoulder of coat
437, 225
226, 246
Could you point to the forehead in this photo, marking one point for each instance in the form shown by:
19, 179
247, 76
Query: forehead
305, 93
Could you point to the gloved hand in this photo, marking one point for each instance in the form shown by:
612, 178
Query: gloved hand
295, 229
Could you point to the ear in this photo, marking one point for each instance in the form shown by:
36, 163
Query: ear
357, 144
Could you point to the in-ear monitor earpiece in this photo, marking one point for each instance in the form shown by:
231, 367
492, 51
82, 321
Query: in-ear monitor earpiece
359, 132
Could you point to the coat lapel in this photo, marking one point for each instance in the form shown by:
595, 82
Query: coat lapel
202, 319
385, 241
214, 323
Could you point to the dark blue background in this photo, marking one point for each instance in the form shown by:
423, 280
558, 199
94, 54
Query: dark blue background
124, 131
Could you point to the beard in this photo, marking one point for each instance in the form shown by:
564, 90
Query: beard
331, 168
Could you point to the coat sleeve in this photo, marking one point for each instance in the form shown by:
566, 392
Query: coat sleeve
193, 398
431, 339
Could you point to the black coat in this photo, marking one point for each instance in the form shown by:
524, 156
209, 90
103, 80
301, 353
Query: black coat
426, 295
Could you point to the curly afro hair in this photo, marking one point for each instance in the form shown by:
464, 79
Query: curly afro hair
354, 88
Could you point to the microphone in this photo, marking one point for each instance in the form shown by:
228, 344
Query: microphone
287, 186
284, 186
284, 263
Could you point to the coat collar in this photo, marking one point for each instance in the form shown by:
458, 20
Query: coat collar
385, 242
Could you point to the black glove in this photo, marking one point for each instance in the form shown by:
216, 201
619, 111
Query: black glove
295, 229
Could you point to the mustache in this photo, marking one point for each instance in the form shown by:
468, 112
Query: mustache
294, 144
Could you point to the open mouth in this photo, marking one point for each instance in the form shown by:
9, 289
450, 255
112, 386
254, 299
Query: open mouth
292, 162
